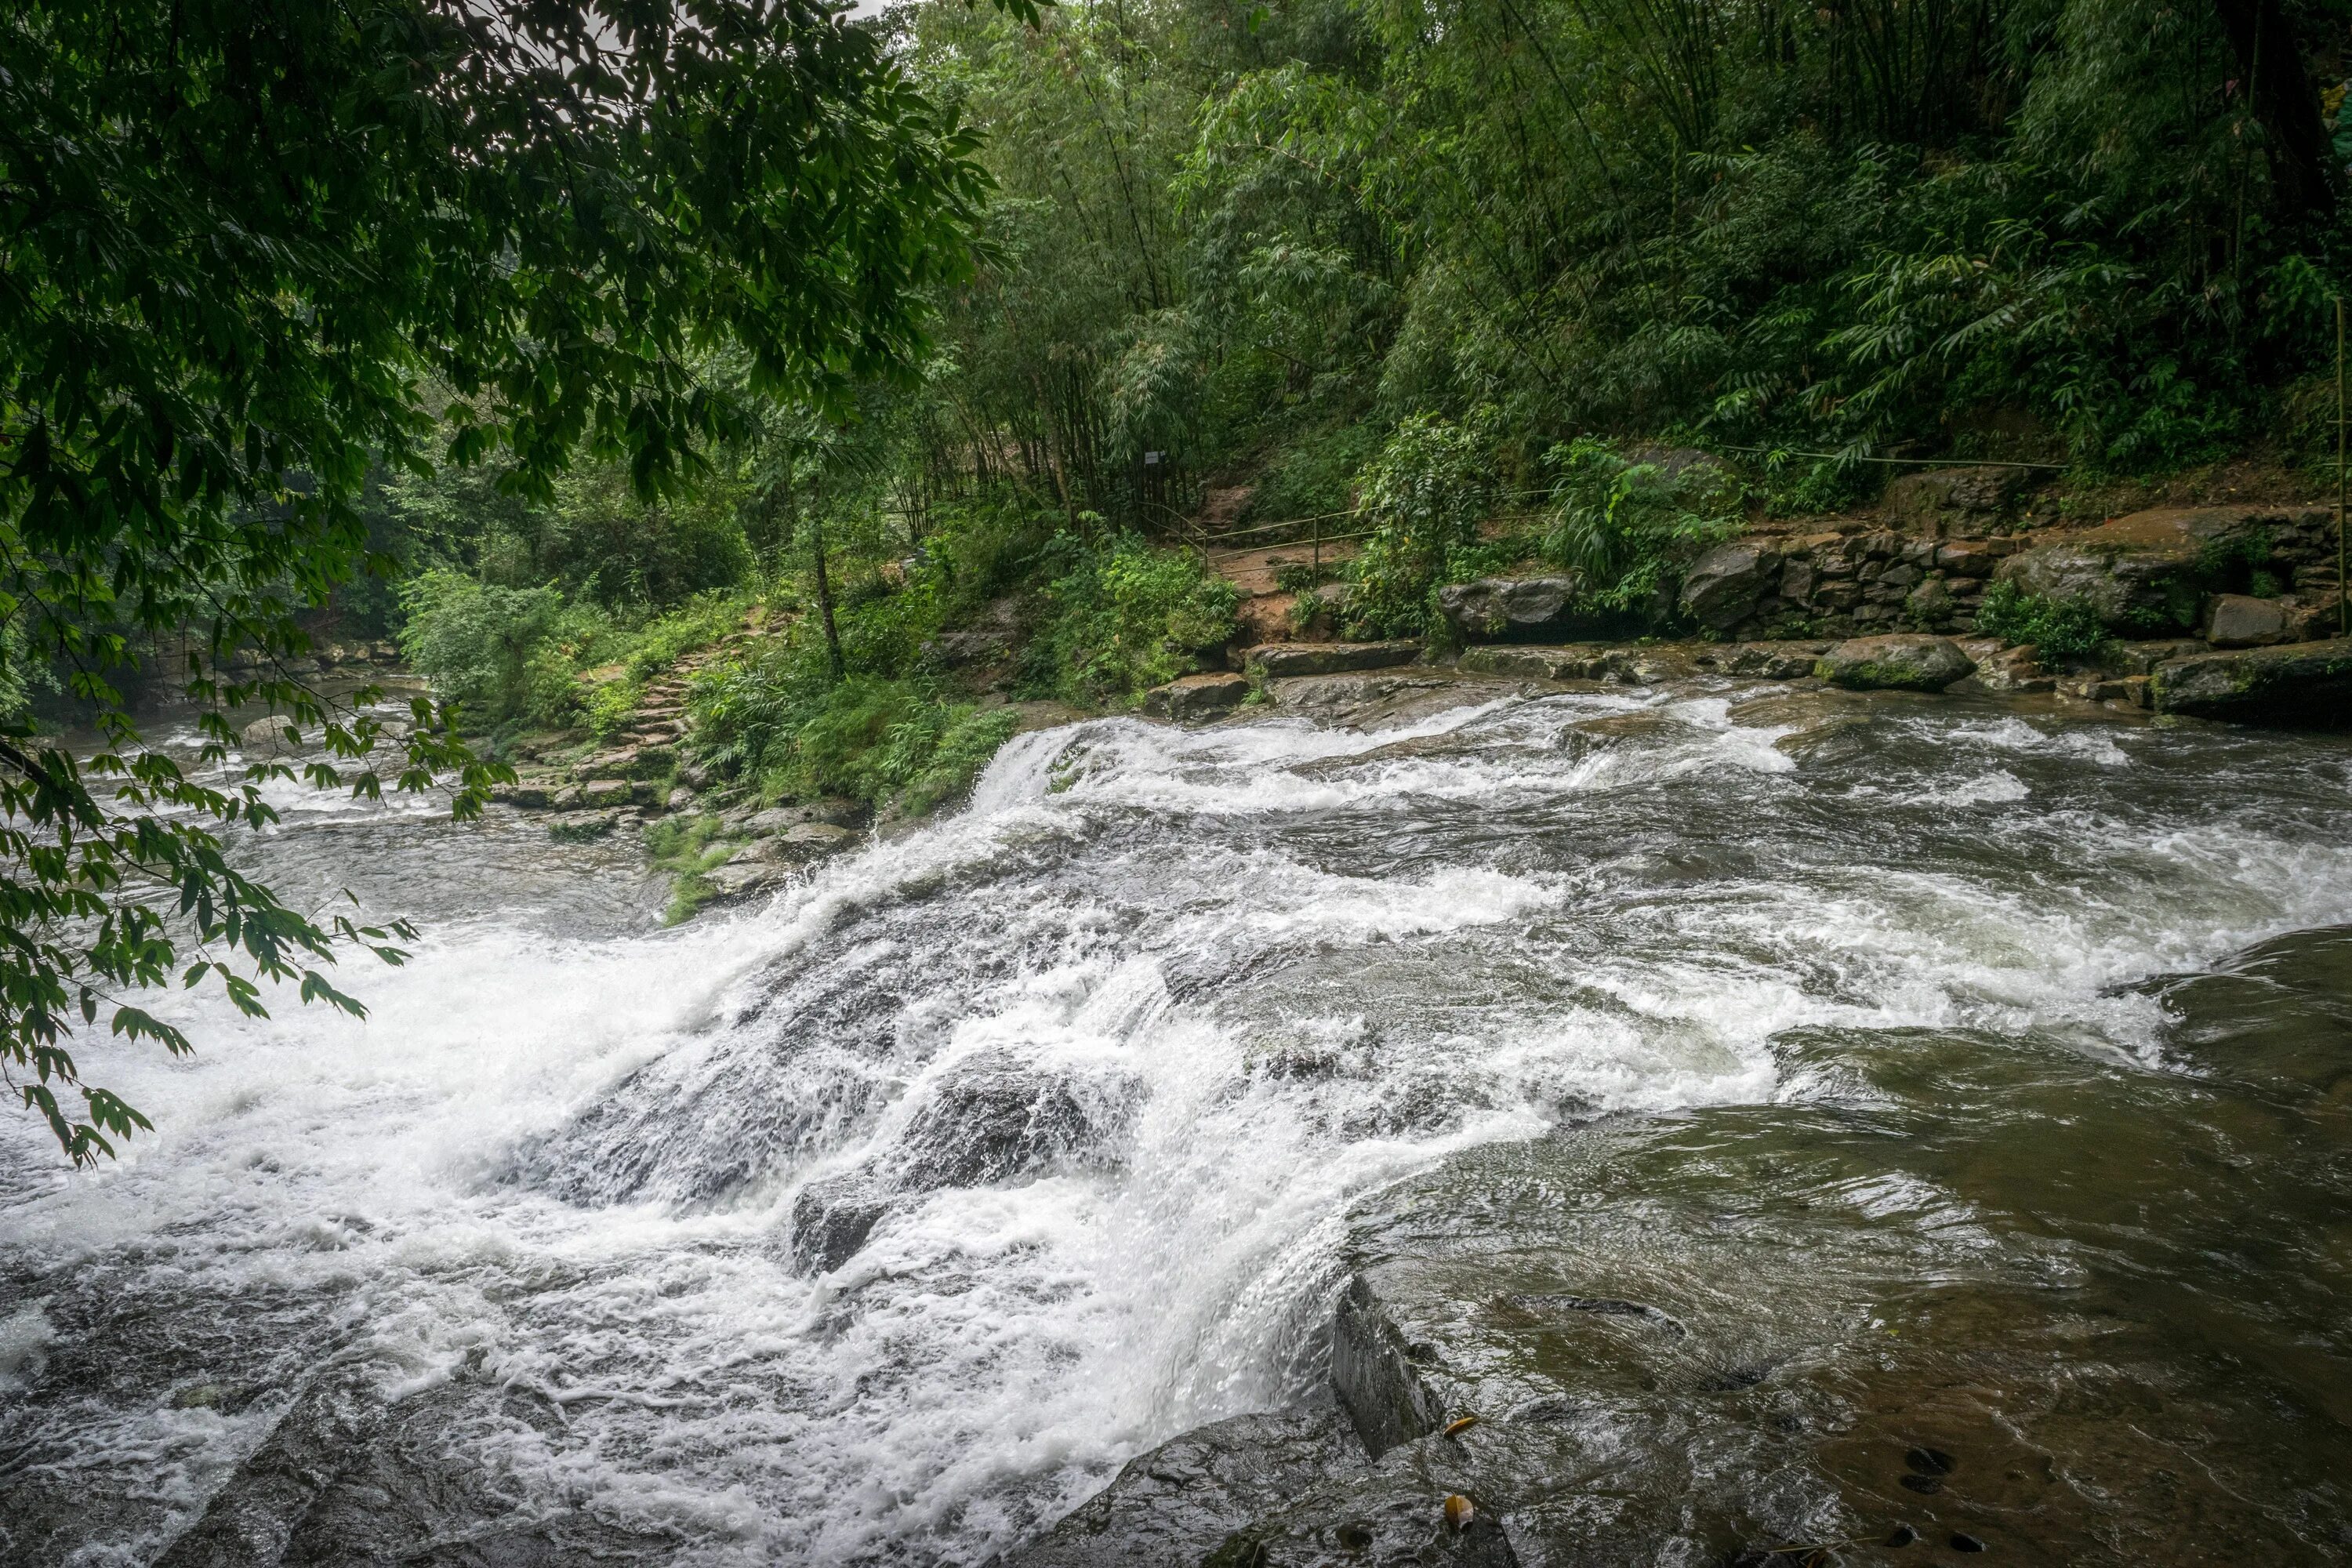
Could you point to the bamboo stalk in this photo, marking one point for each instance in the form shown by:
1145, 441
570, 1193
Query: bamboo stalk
2343, 588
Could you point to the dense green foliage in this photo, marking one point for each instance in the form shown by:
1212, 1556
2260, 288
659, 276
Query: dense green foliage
251, 252
2057, 629
1097, 621
1629, 524
1236, 243
1126, 617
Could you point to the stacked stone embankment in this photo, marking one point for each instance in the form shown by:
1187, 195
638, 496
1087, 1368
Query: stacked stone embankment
1895, 599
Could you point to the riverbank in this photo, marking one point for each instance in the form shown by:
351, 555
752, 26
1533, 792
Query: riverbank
1965, 581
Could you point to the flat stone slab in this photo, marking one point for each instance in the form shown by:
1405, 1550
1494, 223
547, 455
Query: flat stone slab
1570, 661
1282, 661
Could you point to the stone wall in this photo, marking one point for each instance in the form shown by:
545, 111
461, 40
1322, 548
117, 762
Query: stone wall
1927, 569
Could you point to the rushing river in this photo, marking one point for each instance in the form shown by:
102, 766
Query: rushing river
881, 1223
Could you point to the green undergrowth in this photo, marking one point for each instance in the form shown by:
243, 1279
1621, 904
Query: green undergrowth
684, 848
2058, 629
774, 723
1622, 520
1124, 616
514, 659
1085, 615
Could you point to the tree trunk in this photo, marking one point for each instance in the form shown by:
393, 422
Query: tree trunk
824, 601
2271, 73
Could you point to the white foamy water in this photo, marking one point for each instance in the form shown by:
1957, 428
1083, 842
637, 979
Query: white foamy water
1080, 1083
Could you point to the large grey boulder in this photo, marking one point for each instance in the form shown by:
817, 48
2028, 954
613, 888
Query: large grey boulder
1281, 661
1894, 664
1524, 609
2152, 570
275, 734
1197, 695
2240, 620
2306, 685
1723, 586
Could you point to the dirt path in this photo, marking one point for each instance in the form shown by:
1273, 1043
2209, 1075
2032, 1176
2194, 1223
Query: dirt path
1252, 570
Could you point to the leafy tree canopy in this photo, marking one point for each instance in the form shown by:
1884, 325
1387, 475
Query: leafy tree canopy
250, 249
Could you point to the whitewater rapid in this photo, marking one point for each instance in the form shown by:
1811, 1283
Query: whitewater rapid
1234, 979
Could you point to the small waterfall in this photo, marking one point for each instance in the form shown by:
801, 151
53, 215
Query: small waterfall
880, 1224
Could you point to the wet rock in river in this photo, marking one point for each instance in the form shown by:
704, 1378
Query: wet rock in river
252, 1518
1580, 661
1366, 699
1172, 1507
2299, 684
744, 878
1895, 663
832, 1217
988, 1119
2012, 671
275, 734
1766, 661
1377, 1375
1197, 695
1840, 739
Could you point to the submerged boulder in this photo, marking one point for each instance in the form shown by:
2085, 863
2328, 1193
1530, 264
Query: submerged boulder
988, 1119
1524, 609
1895, 663
2306, 685
1723, 586
275, 734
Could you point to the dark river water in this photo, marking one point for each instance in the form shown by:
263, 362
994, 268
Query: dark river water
881, 1223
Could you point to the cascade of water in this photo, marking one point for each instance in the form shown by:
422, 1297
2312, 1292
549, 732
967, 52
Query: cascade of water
880, 1223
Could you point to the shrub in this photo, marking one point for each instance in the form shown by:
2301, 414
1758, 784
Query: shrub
870, 737
1628, 525
963, 745
1127, 616
477, 643
747, 712
1426, 493
2058, 629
